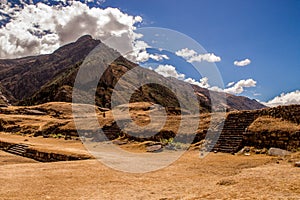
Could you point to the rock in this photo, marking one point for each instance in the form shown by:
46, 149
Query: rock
244, 150
154, 148
297, 164
278, 152
247, 149
257, 151
264, 151
103, 109
151, 143
34, 112
226, 182
119, 142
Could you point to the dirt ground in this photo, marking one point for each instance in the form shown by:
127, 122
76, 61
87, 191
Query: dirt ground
217, 176
10, 159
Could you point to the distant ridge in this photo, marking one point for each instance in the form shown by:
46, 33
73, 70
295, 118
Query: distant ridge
47, 78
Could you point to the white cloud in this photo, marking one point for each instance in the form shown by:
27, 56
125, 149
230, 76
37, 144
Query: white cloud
216, 89
285, 99
186, 53
169, 71
202, 83
41, 28
209, 57
192, 56
230, 84
238, 87
158, 57
234, 88
141, 55
242, 63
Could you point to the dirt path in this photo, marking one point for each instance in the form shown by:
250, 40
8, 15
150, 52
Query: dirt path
218, 176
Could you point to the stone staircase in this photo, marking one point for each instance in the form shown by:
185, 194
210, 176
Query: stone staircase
17, 149
231, 137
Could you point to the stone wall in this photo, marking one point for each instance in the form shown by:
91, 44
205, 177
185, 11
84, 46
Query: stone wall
44, 156
234, 134
290, 113
278, 139
52, 157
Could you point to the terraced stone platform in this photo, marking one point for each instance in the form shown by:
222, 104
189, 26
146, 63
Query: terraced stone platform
43, 150
231, 137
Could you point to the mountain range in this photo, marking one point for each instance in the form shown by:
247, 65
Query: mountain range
47, 78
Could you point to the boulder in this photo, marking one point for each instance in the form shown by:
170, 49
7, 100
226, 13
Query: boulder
154, 148
278, 152
297, 164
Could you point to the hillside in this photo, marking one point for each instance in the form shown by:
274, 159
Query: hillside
25, 76
47, 78
271, 127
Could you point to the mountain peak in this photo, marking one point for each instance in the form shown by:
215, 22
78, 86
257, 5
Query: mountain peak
84, 38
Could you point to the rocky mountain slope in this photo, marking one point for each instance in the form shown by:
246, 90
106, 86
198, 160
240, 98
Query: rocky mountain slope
25, 76
47, 78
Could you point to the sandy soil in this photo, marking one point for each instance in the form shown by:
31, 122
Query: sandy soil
9, 159
217, 176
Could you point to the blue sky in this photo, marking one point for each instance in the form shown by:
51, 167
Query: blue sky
267, 32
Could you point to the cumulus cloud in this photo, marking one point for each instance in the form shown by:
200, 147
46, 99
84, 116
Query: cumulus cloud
242, 63
238, 87
192, 56
209, 57
41, 28
285, 99
186, 53
159, 57
232, 87
202, 83
135, 49
169, 71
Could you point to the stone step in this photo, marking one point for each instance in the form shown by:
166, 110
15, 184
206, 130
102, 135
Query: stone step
229, 149
229, 141
234, 127
18, 149
224, 138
